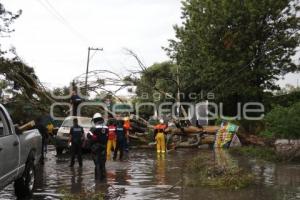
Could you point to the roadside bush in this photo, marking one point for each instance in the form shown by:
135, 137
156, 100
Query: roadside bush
283, 122
262, 153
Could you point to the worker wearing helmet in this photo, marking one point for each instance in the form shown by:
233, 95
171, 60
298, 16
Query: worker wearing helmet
127, 128
127, 124
98, 136
159, 136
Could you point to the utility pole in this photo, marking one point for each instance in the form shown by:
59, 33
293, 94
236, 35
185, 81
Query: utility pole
178, 90
178, 84
87, 65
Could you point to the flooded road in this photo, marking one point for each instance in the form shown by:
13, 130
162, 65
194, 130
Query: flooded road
146, 176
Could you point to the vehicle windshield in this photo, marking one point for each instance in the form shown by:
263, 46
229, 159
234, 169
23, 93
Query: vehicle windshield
82, 121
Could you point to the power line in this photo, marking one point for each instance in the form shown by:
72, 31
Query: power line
65, 21
51, 9
55, 11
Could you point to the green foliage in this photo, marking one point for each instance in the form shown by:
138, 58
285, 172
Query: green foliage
262, 153
157, 84
267, 134
236, 49
286, 97
159, 78
218, 122
20, 87
204, 172
22, 111
283, 122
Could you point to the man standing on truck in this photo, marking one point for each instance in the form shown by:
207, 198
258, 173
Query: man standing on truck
76, 138
75, 101
98, 136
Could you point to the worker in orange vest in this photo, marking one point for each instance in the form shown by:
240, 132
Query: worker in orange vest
159, 135
127, 128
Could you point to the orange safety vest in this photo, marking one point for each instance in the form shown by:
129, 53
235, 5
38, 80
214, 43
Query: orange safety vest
160, 127
127, 125
112, 135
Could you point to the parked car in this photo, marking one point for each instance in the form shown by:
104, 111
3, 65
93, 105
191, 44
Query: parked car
20, 153
62, 138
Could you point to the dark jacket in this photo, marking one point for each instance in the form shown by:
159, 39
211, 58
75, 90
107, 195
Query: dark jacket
77, 134
120, 133
98, 137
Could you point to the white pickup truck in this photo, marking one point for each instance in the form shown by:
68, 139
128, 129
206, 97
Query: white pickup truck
19, 154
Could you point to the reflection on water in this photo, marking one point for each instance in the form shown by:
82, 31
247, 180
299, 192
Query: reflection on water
76, 181
161, 169
148, 176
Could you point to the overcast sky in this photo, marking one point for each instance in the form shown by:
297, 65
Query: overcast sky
53, 35
53, 38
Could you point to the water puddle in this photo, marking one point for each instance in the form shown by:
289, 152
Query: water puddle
148, 176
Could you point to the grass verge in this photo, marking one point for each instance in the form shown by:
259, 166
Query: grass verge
203, 171
263, 153
82, 196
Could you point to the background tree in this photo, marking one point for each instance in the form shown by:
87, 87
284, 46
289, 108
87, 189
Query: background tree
155, 84
21, 89
236, 48
159, 78
6, 19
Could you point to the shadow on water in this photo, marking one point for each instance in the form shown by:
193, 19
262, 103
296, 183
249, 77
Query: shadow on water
148, 176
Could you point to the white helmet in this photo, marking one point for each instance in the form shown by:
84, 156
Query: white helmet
97, 115
161, 121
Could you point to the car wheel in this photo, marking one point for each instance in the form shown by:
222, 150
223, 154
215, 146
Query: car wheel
59, 150
24, 186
